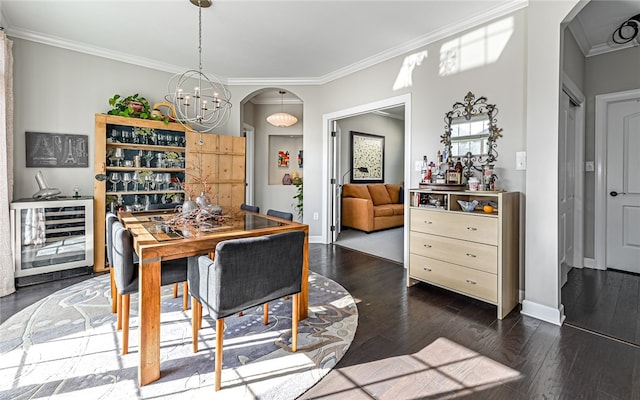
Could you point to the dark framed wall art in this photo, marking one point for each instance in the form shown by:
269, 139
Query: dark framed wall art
56, 150
367, 152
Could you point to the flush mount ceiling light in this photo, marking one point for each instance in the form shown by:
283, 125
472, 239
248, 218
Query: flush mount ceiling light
208, 105
627, 31
282, 119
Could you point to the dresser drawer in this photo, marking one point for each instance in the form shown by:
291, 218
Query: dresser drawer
464, 280
479, 256
457, 225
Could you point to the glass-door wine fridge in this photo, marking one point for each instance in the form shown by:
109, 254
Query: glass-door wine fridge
49, 236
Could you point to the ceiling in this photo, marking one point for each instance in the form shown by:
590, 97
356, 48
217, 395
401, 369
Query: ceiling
266, 42
595, 23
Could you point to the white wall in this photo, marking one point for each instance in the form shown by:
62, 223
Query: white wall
60, 91
393, 131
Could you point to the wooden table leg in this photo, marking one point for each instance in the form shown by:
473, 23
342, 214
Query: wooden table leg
303, 299
149, 317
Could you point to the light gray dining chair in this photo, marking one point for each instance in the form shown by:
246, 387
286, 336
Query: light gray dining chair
245, 273
280, 214
126, 276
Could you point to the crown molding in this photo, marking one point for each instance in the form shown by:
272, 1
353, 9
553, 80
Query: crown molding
383, 113
493, 13
97, 51
608, 48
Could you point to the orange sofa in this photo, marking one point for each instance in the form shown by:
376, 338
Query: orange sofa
372, 207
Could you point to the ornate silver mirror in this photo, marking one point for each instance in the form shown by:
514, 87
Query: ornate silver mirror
470, 134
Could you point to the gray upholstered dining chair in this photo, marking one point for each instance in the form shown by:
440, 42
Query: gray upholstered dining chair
245, 273
126, 276
248, 207
280, 214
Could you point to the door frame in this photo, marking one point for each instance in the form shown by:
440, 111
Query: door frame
327, 123
600, 234
249, 132
576, 95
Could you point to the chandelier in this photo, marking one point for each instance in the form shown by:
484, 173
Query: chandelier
627, 31
282, 119
208, 105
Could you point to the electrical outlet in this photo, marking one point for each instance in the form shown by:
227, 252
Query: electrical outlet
418, 166
315, 216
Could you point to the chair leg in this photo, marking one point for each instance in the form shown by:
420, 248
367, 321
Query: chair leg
294, 322
125, 323
219, 340
265, 316
175, 290
196, 308
185, 296
114, 291
118, 301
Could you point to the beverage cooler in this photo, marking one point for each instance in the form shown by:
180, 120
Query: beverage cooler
51, 239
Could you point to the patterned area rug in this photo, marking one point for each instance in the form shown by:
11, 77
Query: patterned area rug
66, 347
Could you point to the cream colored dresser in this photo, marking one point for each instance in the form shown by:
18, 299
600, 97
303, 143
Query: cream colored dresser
473, 253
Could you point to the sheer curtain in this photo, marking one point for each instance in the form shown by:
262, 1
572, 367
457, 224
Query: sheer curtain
7, 285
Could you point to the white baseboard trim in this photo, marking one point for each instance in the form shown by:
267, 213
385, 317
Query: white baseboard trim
316, 239
591, 263
545, 313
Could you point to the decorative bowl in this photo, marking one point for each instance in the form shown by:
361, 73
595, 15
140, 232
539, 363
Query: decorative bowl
468, 206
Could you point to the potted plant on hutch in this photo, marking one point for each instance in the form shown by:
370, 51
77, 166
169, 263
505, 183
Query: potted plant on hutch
134, 106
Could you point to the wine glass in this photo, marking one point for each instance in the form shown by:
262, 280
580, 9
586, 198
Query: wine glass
148, 182
126, 178
114, 178
148, 157
136, 180
118, 155
115, 135
159, 179
166, 179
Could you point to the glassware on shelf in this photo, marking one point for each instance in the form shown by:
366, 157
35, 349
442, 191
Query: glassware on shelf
115, 135
118, 155
148, 156
159, 180
136, 206
148, 182
114, 178
166, 179
136, 179
126, 179
126, 136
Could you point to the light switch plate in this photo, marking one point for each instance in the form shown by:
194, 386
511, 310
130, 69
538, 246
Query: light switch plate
521, 160
418, 166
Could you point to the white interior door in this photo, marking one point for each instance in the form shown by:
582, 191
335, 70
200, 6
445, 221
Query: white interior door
566, 185
249, 134
336, 186
623, 185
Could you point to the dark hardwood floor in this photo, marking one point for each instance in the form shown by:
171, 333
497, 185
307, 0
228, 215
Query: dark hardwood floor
425, 342
606, 302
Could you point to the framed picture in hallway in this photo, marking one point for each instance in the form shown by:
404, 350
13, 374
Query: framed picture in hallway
367, 158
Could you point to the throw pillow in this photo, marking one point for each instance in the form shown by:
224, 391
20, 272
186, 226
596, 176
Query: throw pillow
401, 196
379, 194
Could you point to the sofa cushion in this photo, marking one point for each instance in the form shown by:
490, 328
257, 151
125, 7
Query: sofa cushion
382, 211
379, 194
394, 192
398, 209
359, 191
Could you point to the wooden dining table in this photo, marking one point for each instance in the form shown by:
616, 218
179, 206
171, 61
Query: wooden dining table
155, 242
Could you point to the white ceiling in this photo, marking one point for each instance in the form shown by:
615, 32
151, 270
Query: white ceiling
595, 23
273, 42
260, 41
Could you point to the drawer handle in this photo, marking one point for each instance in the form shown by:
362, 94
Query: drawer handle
427, 269
428, 246
469, 281
471, 255
471, 228
428, 222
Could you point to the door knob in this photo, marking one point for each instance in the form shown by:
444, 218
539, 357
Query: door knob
613, 193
